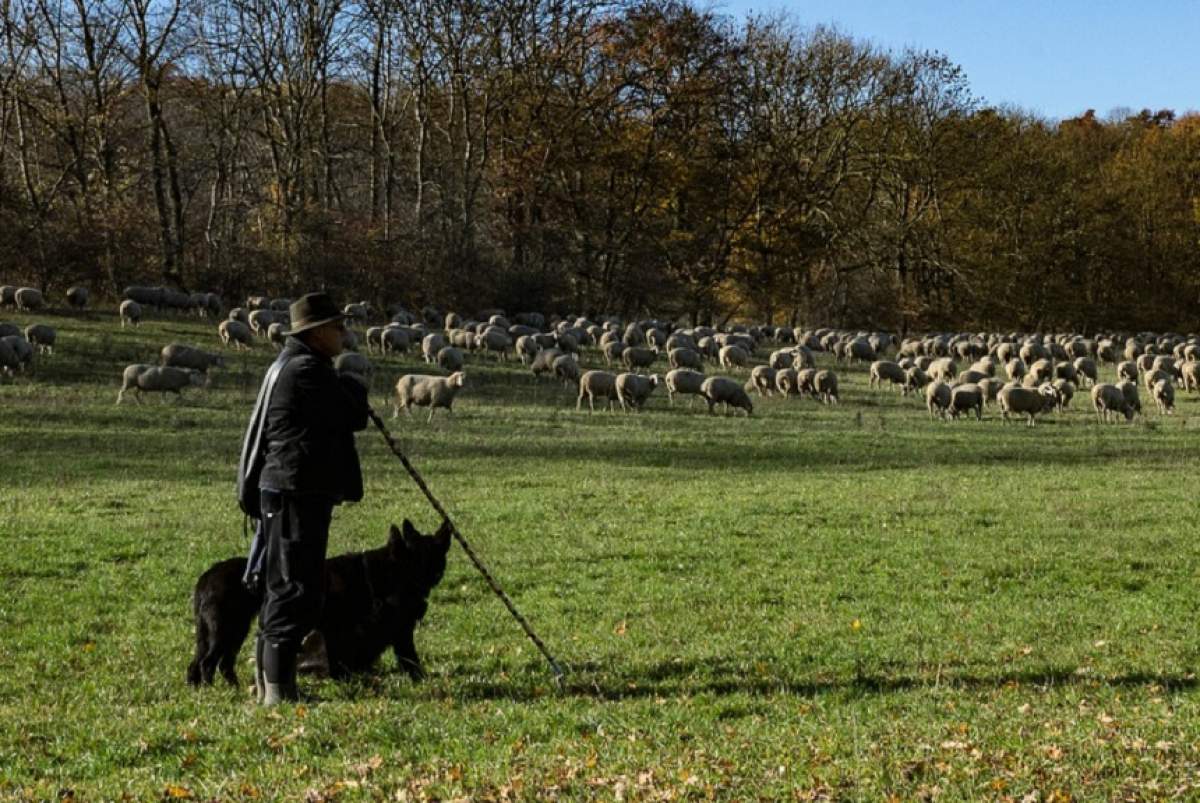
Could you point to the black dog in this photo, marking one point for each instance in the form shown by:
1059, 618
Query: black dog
373, 600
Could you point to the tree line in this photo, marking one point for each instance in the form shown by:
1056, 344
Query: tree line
646, 157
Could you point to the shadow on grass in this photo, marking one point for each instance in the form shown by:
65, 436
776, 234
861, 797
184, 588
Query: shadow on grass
724, 678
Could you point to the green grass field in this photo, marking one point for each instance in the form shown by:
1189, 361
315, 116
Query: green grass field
847, 602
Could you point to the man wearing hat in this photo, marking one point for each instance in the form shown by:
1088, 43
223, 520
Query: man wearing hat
298, 461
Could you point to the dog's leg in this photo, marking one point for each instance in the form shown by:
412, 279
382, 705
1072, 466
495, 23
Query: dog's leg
406, 654
194, 676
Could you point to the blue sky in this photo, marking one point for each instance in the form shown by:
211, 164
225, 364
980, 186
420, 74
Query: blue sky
1058, 57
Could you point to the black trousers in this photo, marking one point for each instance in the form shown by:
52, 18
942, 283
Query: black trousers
297, 532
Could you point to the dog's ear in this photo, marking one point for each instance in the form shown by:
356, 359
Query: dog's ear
411, 536
443, 535
395, 539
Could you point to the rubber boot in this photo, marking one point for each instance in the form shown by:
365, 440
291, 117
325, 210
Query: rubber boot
279, 669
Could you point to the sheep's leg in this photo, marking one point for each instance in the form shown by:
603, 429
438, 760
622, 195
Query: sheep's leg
429, 420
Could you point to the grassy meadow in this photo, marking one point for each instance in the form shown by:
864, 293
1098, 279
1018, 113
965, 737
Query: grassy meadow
816, 603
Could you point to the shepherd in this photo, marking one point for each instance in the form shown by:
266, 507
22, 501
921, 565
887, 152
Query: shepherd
298, 460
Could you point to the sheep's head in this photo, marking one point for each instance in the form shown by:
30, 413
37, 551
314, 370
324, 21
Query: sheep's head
458, 379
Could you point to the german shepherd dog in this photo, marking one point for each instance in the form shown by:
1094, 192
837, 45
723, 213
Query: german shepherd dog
373, 600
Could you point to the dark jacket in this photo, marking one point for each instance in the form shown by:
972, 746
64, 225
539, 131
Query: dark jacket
301, 433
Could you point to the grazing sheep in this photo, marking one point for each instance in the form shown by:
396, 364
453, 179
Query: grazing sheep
886, 370
804, 381
77, 297
158, 379
431, 344
279, 304
1164, 396
733, 356
22, 349
358, 311
683, 381
782, 358
1040, 371
762, 378
1191, 375
261, 320
914, 380
825, 387
1017, 400
527, 349
723, 390
42, 336
786, 382
131, 313
989, 387
495, 340
1108, 399
450, 359
393, 339
633, 390
593, 384
943, 369
684, 357
178, 355
233, 332
1153, 376
566, 368
427, 391
937, 398
970, 377
275, 334
9, 361
1085, 369
637, 358
613, 350
29, 300
964, 398
859, 350
1015, 369
1064, 392
1131, 395
1127, 371
351, 362
240, 315
543, 361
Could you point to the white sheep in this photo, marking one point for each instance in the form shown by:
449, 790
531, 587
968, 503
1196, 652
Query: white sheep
637, 358
723, 390
825, 387
593, 384
157, 379
450, 359
1108, 399
42, 336
964, 398
937, 398
733, 357
29, 300
633, 389
261, 320
886, 370
684, 357
683, 381
1016, 400
236, 333
351, 362
131, 313
427, 391
77, 297
1164, 396
181, 356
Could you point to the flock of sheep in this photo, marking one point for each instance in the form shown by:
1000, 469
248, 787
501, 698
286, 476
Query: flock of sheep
1024, 375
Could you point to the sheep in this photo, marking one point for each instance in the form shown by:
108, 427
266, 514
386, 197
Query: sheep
597, 383
1131, 395
860, 350
427, 391
42, 336
275, 334
233, 332
181, 356
825, 387
393, 339
1015, 369
966, 397
8, 296
637, 358
357, 311
349, 339
1085, 369
785, 381
684, 357
496, 340
762, 379
158, 379
804, 381
886, 370
543, 361
239, 314
723, 390
937, 398
1032, 351
1016, 400
77, 297
351, 362
527, 348
1039, 372
1191, 375
1167, 364
9, 361
431, 344
1064, 392
943, 369
279, 304
28, 299
131, 312
253, 302
989, 387
1065, 371
633, 390
1164, 396
970, 377
613, 351
566, 368
1153, 376
914, 380
450, 359
1128, 371
733, 356
261, 320
683, 381
1108, 399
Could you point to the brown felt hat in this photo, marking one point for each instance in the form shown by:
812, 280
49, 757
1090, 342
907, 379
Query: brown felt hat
311, 311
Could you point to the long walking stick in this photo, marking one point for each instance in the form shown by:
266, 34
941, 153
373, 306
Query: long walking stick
387, 436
